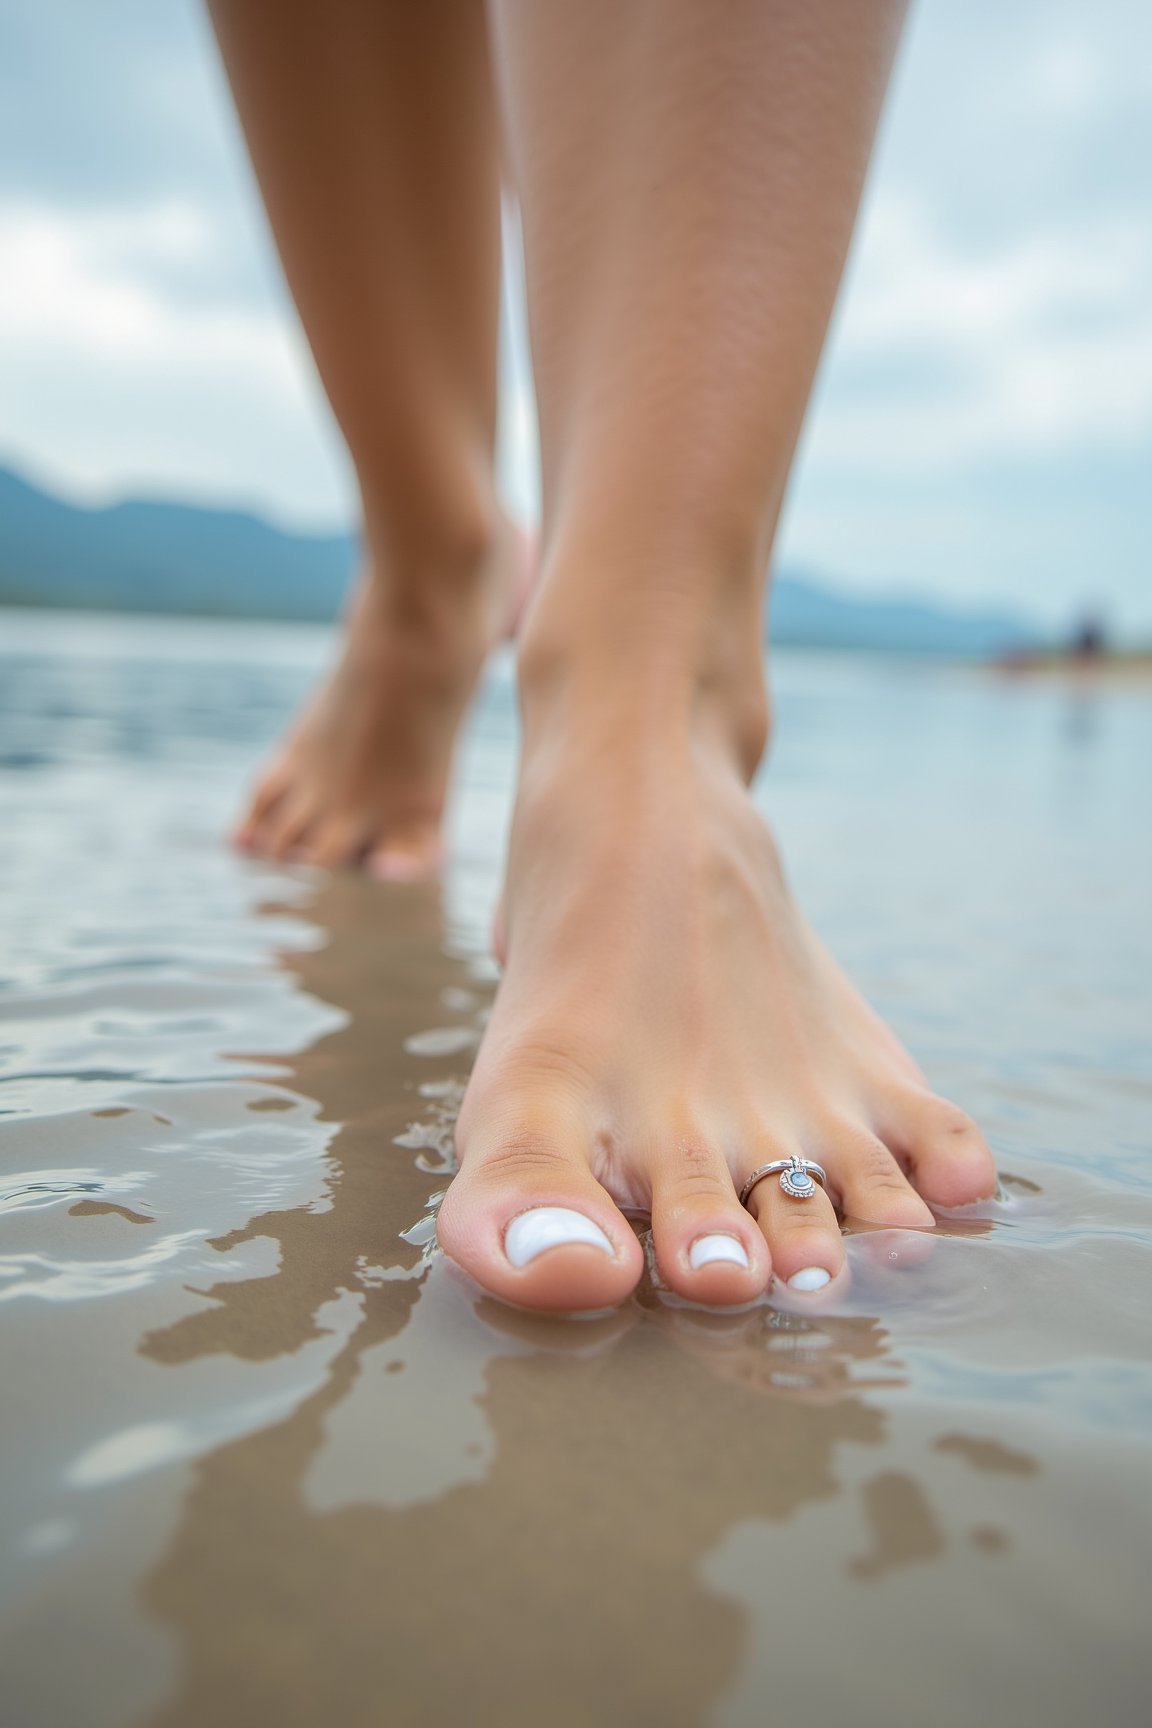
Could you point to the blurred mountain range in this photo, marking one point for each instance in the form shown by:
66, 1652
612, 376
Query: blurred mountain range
183, 559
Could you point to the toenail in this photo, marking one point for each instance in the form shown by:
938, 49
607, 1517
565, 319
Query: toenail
546, 1227
708, 1249
810, 1278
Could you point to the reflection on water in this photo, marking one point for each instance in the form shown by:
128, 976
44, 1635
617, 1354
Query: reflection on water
269, 1458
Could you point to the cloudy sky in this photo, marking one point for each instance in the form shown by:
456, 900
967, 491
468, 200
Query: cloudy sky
982, 429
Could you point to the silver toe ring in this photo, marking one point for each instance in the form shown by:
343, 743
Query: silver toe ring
798, 1177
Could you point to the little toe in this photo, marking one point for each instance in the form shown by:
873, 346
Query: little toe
951, 1161
250, 833
887, 1251
708, 1247
803, 1235
529, 1222
871, 1184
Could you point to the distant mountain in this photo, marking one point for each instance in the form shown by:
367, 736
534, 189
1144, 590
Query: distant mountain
145, 557
806, 614
177, 558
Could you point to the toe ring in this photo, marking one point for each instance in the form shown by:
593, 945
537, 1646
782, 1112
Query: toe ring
798, 1177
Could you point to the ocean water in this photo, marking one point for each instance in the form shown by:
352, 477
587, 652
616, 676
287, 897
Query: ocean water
268, 1459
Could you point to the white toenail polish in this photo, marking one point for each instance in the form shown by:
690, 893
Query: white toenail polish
550, 1227
707, 1249
811, 1278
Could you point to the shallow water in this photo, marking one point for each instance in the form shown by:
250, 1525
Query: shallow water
267, 1458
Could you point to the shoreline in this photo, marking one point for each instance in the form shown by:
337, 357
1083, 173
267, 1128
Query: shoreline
1124, 666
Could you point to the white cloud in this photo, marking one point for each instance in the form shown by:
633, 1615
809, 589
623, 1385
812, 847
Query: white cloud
78, 286
944, 356
984, 419
112, 378
1068, 78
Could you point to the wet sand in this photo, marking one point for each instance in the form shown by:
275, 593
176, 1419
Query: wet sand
268, 1458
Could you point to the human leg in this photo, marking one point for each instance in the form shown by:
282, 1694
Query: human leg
667, 1020
373, 132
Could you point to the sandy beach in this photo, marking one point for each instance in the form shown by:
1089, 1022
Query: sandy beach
269, 1459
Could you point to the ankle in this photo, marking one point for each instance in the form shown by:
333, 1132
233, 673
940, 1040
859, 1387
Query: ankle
436, 580
441, 536
592, 671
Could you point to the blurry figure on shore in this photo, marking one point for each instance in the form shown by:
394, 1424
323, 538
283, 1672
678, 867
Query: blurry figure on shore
1085, 649
1089, 641
669, 1034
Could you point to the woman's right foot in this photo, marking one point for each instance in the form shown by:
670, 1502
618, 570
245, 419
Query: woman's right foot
361, 777
667, 1023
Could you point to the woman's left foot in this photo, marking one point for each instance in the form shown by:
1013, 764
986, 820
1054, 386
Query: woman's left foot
362, 777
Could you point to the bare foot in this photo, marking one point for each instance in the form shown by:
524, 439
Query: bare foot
362, 776
666, 1023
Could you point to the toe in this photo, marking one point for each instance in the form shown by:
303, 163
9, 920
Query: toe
411, 854
952, 1163
528, 1221
286, 828
267, 794
251, 833
331, 844
707, 1246
803, 1235
871, 1185
887, 1251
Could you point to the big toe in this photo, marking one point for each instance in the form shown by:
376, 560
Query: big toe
413, 853
529, 1222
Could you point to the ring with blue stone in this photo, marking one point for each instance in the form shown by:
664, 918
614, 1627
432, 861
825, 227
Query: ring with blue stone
798, 1177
